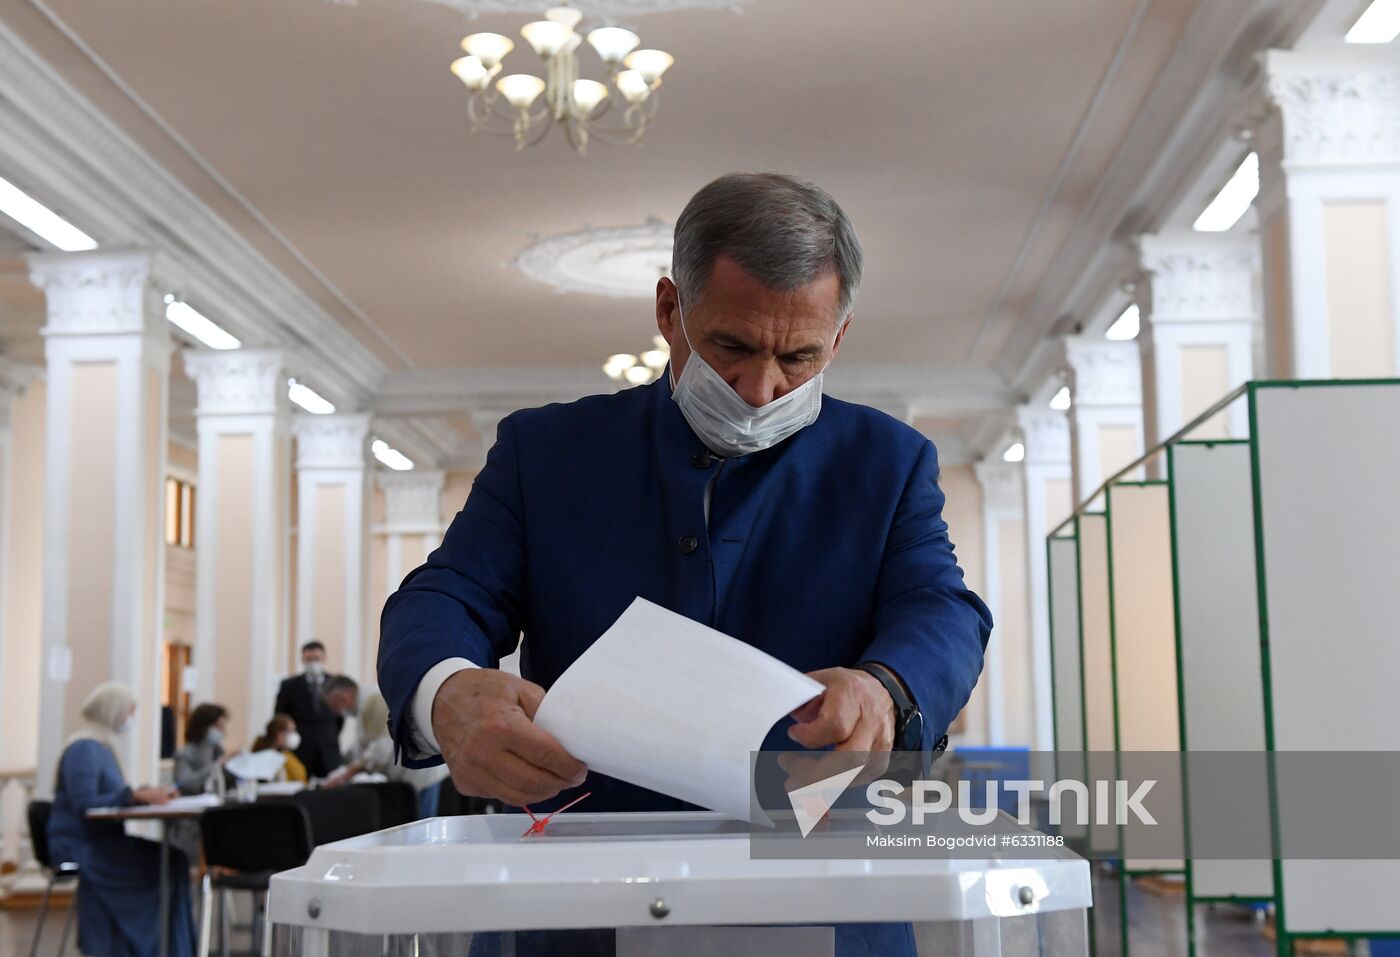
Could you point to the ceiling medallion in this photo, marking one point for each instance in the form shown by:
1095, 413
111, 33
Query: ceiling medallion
523, 106
623, 262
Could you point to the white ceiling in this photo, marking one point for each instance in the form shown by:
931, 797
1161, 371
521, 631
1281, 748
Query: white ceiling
969, 141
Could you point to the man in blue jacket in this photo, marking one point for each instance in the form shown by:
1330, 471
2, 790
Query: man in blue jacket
729, 491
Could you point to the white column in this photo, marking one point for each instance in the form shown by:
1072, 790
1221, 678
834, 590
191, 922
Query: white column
1329, 212
1002, 503
332, 528
108, 353
17, 730
240, 536
1049, 498
1105, 416
412, 520
1199, 318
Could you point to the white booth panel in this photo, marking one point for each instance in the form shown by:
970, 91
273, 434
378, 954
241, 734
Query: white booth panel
1222, 697
1144, 641
1329, 526
1096, 650
1063, 566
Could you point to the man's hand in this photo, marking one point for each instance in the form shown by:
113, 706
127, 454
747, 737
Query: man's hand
855, 713
483, 721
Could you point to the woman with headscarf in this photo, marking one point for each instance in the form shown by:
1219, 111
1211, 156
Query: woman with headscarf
374, 753
119, 890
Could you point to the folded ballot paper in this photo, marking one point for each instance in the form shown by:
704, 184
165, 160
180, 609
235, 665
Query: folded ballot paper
669, 704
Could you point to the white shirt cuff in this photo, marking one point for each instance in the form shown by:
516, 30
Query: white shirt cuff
420, 716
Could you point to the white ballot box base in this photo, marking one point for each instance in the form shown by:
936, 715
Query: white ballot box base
682, 885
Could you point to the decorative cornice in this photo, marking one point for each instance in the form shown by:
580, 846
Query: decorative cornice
1045, 434
1336, 109
1102, 373
97, 293
336, 441
412, 500
1199, 278
616, 261
1001, 485
239, 381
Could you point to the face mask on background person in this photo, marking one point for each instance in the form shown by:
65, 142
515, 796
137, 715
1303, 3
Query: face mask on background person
127, 724
292, 741
315, 669
214, 736
728, 424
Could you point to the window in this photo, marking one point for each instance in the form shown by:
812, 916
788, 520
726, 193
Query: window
179, 513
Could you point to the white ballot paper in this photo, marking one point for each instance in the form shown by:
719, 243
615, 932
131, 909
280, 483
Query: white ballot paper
669, 704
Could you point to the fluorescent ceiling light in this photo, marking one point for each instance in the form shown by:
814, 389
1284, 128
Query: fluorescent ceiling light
198, 325
42, 221
1015, 452
1125, 327
1233, 200
1379, 24
308, 398
1061, 400
390, 456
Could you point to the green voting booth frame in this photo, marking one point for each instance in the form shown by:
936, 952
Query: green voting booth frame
1232, 533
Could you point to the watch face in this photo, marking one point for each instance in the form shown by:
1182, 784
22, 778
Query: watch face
913, 737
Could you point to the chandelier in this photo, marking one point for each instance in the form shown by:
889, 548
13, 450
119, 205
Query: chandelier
526, 107
640, 369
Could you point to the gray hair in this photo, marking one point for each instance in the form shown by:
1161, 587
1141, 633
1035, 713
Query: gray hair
784, 232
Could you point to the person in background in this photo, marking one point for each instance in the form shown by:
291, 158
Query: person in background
374, 753
202, 756
281, 735
341, 698
119, 900
302, 698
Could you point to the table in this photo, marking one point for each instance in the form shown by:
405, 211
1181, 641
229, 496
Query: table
673, 883
180, 809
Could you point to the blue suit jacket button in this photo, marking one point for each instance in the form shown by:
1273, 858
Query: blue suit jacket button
701, 460
688, 544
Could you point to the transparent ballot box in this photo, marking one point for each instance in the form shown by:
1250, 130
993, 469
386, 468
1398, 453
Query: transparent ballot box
674, 884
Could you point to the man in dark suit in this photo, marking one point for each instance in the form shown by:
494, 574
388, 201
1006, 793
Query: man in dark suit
728, 491
302, 698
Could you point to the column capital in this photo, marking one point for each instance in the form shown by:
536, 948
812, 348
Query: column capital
238, 381
1100, 372
1045, 434
1001, 485
1338, 108
99, 292
335, 441
1199, 277
412, 500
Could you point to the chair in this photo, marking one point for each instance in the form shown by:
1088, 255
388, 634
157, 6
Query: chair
60, 873
338, 813
398, 802
252, 842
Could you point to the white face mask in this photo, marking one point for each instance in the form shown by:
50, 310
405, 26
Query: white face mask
292, 741
315, 669
214, 736
728, 424
127, 724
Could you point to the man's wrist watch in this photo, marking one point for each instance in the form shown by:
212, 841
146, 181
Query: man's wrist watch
908, 719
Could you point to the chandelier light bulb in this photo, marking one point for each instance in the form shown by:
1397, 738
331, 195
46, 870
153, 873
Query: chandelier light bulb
546, 36
489, 48
471, 71
565, 15
654, 359
613, 43
638, 375
520, 89
649, 63
633, 86
588, 94
616, 365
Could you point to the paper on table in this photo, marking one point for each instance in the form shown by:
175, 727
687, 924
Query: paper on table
260, 765
669, 704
